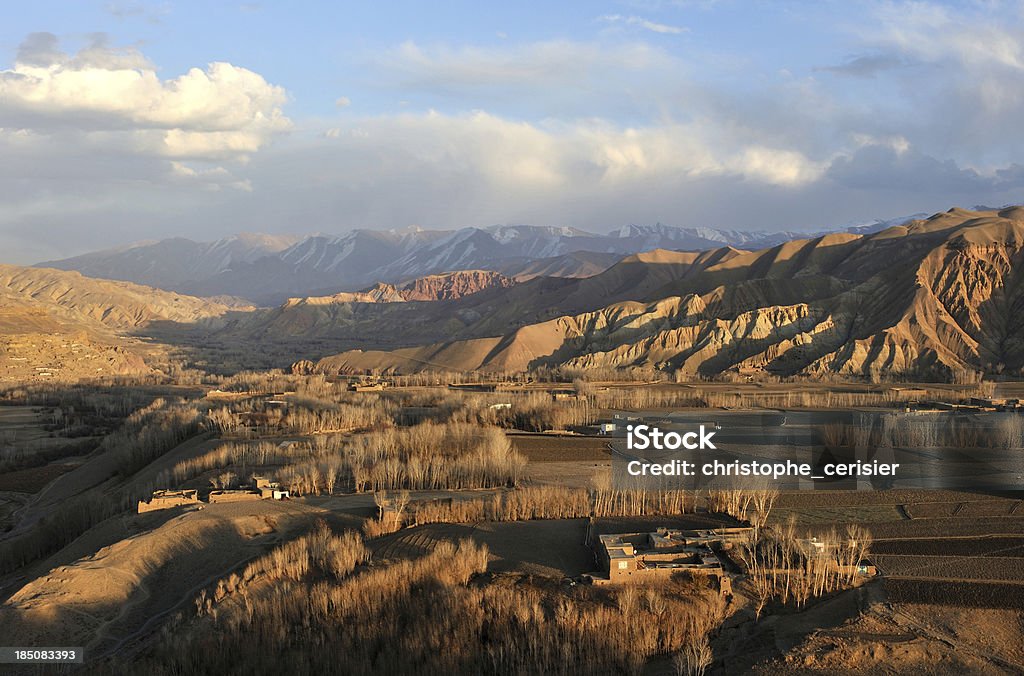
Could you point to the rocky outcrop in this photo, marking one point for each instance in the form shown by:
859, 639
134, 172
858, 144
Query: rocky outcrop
454, 285
303, 367
447, 286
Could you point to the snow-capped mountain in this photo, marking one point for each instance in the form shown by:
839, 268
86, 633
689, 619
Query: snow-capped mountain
171, 263
269, 269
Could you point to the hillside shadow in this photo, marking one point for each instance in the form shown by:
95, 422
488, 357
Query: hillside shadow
169, 576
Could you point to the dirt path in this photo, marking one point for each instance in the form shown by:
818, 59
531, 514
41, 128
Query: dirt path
901, 617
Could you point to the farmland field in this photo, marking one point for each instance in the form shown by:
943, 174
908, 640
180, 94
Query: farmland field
981, 568
33, 479
982, 546
949, 593
558, 448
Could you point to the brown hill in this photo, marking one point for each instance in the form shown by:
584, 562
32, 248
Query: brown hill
117, 305
454, 285
574, 264
56, 324
930, 297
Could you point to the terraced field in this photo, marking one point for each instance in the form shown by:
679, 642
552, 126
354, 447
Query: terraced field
412, 543
961, 593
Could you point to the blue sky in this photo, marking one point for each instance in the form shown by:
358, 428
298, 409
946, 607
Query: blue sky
323, 50
127, 120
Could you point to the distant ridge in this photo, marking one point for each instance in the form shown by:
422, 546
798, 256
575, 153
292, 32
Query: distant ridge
269, 269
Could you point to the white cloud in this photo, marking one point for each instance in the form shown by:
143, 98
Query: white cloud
536, 64
956, 73
935, 32
591, 134
343, 102
511, 154
219, 111
896, 142
646, 24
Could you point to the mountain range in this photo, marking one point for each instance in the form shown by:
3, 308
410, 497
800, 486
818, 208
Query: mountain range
268, 269
929, 298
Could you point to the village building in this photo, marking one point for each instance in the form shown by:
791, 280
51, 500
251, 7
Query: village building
654, 556
168, 499
270, 490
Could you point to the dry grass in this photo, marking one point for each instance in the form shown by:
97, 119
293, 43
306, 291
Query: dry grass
435, 615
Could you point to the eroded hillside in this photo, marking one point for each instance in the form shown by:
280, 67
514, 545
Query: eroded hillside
929, 297
56, 324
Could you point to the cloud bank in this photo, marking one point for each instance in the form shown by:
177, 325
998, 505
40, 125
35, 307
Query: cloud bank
100, 147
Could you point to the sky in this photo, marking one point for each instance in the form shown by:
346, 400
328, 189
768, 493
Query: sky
125, 120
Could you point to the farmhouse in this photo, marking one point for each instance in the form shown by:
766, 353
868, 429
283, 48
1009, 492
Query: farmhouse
645, 557
169, 499
906, 391
237, 495
269, 490
366, 387
263, 489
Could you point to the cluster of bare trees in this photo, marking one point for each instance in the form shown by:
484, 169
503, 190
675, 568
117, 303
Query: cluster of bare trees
645, 397
603, 500
1009, 432
18, 454
318, 554
529, 410
81, 409
114, 398
782, 566
150, 432
425, 456
930, 430
321, 550
241, 455
274, 381
553, 502
390, 513
752, 504
256, 417
633, 374
537, 412
425, 616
